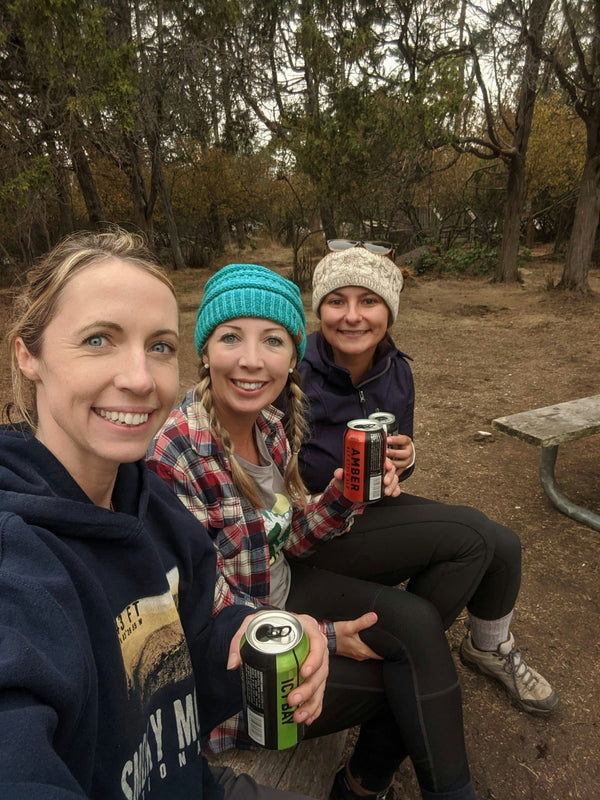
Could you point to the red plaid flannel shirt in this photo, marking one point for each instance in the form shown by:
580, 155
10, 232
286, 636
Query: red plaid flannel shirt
190, 459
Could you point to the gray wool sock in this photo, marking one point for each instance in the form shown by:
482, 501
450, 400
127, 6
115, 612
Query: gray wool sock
488, 634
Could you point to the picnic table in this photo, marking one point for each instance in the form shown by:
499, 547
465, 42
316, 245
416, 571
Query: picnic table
549, 427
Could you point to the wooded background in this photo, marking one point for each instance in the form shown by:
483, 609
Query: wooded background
472, 129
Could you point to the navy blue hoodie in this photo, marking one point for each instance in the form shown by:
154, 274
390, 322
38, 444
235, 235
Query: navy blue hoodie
112, 669
334, 400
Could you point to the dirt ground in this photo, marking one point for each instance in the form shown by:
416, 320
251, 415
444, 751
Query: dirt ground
481, 351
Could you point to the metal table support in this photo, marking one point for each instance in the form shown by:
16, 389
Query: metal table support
549, 427
547, 462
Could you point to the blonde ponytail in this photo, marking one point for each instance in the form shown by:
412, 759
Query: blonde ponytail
296, 431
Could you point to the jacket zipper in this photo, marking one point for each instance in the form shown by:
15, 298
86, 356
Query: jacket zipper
361, 397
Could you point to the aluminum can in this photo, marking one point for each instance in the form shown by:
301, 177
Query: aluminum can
364, 456
387, 420
273, 649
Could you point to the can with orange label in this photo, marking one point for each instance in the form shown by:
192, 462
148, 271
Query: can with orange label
364, 457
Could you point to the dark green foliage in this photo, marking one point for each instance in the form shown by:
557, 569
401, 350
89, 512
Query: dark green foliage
467, 260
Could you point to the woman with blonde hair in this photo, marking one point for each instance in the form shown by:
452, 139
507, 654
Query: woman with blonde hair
113, 667
225, 453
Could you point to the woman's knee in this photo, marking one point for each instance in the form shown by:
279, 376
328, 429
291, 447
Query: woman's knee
507, 544
503, 543
408, 626
489, 537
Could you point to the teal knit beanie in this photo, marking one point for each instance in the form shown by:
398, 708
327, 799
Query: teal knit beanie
249, 290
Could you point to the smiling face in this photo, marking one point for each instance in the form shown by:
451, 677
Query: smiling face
353, 321
107, 375
249, 363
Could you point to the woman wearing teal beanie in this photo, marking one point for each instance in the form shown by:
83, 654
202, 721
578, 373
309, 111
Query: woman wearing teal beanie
225, 453
249, 290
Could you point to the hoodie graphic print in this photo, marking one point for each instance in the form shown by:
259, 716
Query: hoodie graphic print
112, 667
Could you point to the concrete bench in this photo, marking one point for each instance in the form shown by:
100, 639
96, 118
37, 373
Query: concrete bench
308, 768
548, 428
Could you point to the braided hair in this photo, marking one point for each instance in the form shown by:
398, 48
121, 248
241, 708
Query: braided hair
296, 431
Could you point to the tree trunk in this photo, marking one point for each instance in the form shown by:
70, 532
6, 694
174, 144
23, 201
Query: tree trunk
119, 36
65, 213
178, 260
530, 229
87, 184
216, 233
507, 268
61, 186
327, 221
142, 211
563, 228
583, 235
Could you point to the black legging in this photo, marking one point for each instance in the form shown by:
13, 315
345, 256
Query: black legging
454, 556
407, 704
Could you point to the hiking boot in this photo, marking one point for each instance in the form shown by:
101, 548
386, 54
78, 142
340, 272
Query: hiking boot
342, 791
526, 686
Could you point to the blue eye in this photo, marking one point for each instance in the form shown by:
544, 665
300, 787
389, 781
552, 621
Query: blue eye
162, 347
97, 340
274, 341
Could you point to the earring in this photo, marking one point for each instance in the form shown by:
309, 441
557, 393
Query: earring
206, 365
291, 369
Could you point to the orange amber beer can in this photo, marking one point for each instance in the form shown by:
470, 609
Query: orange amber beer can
364, 456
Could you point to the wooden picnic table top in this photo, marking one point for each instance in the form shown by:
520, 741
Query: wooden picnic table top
556, 424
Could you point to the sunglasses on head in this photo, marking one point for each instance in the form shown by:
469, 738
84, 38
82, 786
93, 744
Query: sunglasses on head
381, 248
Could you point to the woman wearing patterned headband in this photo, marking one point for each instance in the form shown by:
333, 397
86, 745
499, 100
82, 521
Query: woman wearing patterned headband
353, 368
225, 453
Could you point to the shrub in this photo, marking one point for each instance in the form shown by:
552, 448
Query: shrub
469, 260
466, 259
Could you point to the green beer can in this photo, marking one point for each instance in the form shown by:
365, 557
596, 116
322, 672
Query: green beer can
273, 649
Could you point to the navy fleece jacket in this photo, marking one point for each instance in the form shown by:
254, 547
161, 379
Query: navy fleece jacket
334, 400
112, 668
